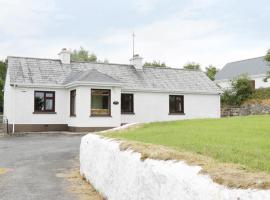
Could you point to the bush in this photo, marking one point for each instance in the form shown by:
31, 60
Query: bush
228, 98
241, 90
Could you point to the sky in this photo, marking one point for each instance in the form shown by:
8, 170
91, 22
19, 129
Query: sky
172, 31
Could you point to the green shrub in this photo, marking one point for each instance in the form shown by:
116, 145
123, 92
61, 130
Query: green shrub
242, 86
228, 98
242, 90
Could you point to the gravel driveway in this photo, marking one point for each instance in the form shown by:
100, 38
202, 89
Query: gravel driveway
29, 166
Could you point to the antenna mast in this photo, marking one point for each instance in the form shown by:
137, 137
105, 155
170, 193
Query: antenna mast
133, 41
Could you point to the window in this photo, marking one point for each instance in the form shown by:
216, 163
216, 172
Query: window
44, 101
100, 102
176, 104
127, 103
73, 103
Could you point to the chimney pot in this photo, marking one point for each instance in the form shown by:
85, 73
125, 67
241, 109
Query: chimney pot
137, 62
64, 56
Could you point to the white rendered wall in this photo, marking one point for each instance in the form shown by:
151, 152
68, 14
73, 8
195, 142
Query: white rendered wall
149, 107
259, 83
24, 107
7, 98
83, 104
121, 175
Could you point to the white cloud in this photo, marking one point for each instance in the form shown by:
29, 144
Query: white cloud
22, 25
24, 17
173, 40
146, 5
176, 40
179, 39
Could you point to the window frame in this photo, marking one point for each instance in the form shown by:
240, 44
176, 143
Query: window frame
182, 105
109, 103
132, 104
72, 108
45, 98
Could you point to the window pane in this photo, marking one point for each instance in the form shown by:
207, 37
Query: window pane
127, 103
49, 104
49, 94
74, 106
172, 104
97, 102
105, 102
178, 104
73, 102
100, 104
39, 101
100, 92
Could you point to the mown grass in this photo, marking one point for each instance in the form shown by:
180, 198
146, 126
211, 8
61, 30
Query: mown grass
241, 140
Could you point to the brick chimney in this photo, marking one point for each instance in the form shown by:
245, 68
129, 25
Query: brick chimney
64, 56
137, 62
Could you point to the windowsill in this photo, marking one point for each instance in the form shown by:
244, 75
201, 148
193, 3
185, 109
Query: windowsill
127, 113
100, 116
44, 112
177, 113
72, 115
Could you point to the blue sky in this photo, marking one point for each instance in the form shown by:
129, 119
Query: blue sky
173, 31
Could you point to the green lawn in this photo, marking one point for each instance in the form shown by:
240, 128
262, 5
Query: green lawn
242, 140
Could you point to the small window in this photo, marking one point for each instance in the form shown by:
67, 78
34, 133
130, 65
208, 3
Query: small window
73, 103
44, 101
176, 104
127, 103
100, 102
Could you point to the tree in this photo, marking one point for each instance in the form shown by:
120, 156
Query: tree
83, 55
211, 72
3, 70
154, 64
267, 59
192, 65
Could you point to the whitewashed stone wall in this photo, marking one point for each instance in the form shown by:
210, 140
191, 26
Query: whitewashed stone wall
121, 175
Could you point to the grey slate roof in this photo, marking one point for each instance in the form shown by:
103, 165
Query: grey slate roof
254, 66
36, 71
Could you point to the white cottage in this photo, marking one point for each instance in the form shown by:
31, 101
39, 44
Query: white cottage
61, 95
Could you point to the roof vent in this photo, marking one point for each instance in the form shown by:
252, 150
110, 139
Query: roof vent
64, 56
137, 62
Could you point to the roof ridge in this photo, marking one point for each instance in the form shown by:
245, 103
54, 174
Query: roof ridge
101, 63
246, 59
172, 68
54, 59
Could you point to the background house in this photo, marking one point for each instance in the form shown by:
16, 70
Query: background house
59, 94
255, 68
